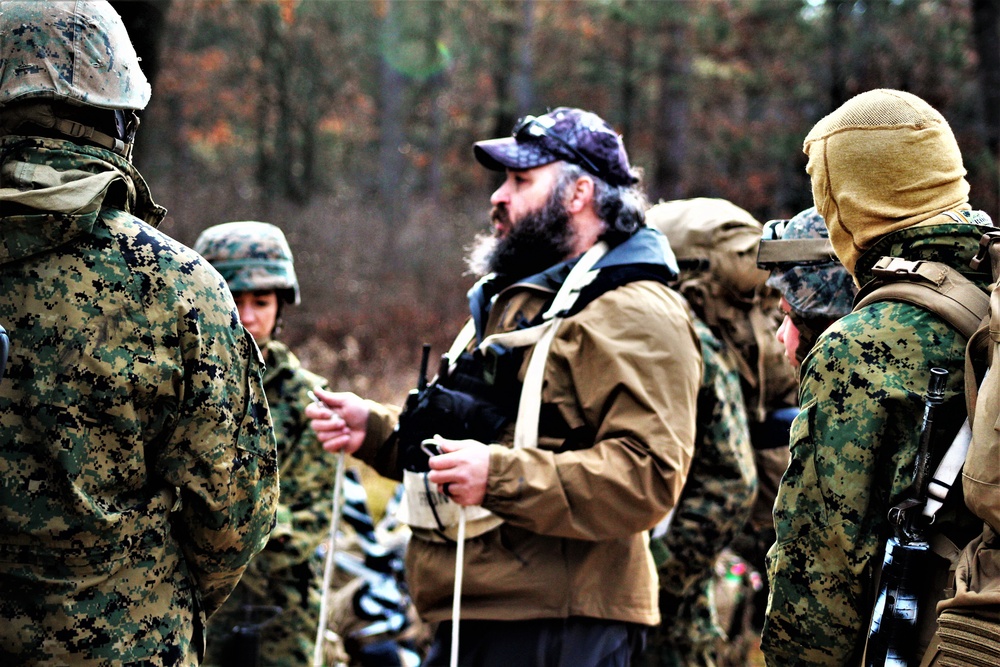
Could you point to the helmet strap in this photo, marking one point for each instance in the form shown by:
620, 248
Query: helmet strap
44, 116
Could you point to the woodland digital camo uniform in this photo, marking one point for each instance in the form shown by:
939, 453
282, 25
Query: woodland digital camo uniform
713, 508
853, 447
255, 256
854, 442
286, 573
716, 245
137, 466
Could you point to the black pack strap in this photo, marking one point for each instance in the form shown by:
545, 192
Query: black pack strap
930, 285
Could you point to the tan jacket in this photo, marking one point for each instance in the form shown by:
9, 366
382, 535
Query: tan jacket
625, 372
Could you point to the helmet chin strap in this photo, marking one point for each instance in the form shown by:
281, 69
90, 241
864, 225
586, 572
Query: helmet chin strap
43, 115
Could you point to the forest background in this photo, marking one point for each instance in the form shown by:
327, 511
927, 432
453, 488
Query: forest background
349, 123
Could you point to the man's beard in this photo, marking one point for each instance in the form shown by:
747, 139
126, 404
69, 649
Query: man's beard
540, 239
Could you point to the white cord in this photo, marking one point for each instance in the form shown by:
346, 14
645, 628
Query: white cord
456, 602
328, 566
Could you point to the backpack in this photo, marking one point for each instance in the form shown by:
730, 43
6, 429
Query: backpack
968, 622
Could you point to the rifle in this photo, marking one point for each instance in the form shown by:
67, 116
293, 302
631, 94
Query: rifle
458, 404
908, 562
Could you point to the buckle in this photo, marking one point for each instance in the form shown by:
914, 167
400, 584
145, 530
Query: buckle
985, 242
896, 266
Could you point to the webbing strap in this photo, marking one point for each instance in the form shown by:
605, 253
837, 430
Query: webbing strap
529, 406
968, 640
947, 293
931, 285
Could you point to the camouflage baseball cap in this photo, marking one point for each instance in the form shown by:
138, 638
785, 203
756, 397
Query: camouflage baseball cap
251, 256
573, 135
812, 287
77, 51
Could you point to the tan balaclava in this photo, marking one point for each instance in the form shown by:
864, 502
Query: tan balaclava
885, 160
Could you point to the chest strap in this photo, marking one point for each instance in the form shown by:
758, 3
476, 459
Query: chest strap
541, 336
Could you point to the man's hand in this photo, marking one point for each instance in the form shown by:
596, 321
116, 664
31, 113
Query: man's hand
340, 420
462, 470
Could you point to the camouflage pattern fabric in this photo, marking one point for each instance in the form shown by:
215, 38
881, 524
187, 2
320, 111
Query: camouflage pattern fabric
714, 505
853, 447
76, 51
138, 473
817, 289
286, 574
251, 256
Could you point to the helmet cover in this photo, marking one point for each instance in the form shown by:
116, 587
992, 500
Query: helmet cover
251, 256
76, 51
817, 289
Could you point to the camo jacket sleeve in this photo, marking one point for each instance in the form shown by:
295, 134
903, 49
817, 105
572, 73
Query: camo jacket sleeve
306, 471
852, 451
721, 485
220, 452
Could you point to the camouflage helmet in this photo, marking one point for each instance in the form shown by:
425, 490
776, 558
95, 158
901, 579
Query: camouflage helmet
810, 277
251, 256
712, 236
73, 51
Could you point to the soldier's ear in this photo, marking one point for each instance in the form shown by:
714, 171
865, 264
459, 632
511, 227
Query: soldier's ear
581, 195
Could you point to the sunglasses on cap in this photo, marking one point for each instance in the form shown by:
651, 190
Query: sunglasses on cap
775, 252
531, 128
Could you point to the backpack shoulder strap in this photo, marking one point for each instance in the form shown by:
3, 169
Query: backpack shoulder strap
541, 336
931, 285
944, 291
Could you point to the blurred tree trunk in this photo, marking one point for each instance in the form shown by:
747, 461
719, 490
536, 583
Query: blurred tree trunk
506, 28
391, 119
144, 21
270, 62
672, 110
524, 89
986, 32
629, 74
839, 11
434, 91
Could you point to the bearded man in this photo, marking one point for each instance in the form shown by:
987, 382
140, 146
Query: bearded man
564, 418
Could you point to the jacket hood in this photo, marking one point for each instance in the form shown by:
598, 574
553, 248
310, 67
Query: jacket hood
52, 192
884, 161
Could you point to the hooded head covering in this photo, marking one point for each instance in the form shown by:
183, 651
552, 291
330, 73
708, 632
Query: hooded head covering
884, 161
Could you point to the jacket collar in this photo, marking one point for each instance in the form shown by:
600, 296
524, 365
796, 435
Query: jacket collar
52, 191
646, 247
941, 239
